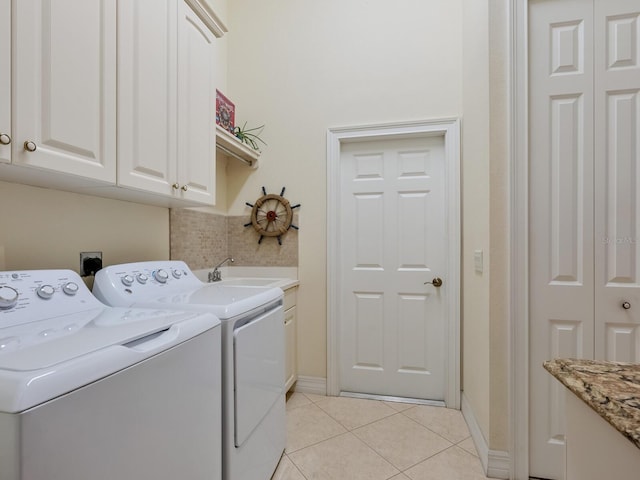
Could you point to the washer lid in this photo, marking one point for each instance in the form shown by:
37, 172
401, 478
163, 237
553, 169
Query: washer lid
223, 301
44, 359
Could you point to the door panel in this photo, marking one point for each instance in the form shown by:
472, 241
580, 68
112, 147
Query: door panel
392, 240
259, 364
561, 213
617, 147
65, 89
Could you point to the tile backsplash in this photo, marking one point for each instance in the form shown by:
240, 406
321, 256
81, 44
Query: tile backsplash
203, 240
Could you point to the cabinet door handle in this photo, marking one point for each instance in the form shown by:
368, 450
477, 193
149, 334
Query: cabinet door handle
185, 188
5, 139
30, 146
176, 186
626, 305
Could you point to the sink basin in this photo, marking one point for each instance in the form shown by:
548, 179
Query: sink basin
250, 282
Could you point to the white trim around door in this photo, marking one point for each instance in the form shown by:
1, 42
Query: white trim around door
517, 136
450, 130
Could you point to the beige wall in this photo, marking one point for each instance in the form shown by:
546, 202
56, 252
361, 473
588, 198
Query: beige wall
44, 228
301, 67
499, 207
485, 214
475, 207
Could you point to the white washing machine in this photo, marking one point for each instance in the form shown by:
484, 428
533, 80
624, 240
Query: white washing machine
90, 392
253, 356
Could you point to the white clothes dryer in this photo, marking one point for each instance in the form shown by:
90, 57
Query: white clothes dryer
253, 353
94, 392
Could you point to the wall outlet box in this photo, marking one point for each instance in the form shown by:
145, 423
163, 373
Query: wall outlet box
90, 263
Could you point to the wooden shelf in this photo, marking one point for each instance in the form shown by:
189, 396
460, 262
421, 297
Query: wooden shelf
234, 148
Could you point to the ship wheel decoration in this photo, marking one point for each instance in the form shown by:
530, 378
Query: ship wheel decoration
271, 215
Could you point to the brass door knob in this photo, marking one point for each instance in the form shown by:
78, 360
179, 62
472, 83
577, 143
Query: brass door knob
436, 282
5, 139
30, 146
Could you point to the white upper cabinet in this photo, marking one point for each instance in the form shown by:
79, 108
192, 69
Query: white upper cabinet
5, 81
166, 101
110, 98
147, 90
196, 108
65, 87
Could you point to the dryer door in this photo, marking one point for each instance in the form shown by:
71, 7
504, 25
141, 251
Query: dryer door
258, 348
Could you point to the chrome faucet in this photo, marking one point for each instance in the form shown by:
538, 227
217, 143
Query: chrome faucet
216, 276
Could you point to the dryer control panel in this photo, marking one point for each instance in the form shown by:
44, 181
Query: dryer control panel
122, 285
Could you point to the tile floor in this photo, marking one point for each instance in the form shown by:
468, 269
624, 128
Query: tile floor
338, 438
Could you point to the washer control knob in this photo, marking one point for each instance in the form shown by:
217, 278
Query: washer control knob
127, 280
161, 276
142, 278
8, 297
70, 288
45, 291
176, 273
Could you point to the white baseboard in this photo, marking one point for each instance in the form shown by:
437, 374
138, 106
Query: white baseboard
316, 385
498, 464
495, 463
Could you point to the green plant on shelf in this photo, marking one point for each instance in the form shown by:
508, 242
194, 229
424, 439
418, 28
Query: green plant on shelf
250, 136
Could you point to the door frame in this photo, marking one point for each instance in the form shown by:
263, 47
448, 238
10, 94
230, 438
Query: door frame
517, 137
449, 128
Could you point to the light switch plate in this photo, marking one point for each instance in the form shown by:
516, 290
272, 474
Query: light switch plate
478, 261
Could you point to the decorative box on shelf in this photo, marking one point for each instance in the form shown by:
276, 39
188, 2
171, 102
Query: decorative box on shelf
231, 146
225, 112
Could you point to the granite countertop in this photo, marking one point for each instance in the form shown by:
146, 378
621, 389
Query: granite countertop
612, 389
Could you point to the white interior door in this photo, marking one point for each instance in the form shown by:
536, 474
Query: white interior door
393, 238
583, 224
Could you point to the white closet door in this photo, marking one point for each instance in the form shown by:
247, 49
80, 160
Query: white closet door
617, 159
561, 315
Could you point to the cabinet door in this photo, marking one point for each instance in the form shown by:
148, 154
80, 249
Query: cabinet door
5, 81
65, 86
196, 114
291, 358
147, 39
